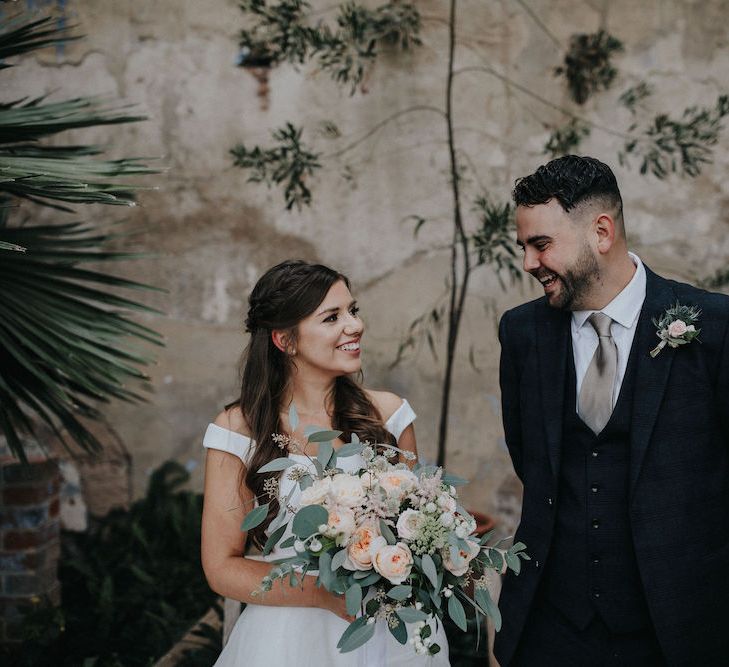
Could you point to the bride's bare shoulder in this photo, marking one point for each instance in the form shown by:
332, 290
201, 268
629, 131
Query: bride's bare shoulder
385, 401
232, 419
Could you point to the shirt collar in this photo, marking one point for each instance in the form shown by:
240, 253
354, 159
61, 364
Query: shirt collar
625, 307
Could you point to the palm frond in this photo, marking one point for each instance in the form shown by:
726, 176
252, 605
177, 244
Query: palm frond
73, 180
18, 36
28, 120
64, 343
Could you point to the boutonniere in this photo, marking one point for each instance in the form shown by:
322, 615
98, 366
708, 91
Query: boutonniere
676, 327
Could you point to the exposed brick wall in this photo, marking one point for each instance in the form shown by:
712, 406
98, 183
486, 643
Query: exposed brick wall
29, 540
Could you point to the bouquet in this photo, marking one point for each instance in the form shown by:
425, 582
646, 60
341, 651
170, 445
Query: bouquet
393, 540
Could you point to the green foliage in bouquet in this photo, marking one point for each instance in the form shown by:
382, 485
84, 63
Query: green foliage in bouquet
393, 541
132, 586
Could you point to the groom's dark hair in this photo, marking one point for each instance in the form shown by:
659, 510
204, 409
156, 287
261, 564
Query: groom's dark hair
571, 180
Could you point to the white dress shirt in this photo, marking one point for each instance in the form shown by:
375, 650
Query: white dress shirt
624, 310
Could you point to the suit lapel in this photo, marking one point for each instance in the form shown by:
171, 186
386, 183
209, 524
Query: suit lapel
651, 373
553, 342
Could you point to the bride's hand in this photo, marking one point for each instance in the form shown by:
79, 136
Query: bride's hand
335, 604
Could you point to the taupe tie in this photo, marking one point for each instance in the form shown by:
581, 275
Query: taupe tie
595, 404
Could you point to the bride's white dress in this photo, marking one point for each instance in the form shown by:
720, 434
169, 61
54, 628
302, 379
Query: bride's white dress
307, 636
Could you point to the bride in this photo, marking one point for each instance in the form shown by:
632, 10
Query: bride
304, 347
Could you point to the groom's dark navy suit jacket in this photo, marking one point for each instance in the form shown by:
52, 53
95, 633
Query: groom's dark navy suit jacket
678, 488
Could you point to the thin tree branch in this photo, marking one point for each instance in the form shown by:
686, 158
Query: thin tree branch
540, 24
539, 98
376, 128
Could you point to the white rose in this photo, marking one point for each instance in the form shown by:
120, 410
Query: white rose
447, 502
397, 483
358, 550
346, 490
317, 493
407, 524
447, 519
392, 561
464, 558
341, 523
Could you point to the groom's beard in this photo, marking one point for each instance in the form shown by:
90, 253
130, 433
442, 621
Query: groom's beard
576, 282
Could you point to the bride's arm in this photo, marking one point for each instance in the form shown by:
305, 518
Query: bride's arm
227, 571
407, 442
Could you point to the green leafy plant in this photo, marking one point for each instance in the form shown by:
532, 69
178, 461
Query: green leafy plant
566, 139
587, 65
132, 585
65, 332
283, 33
289, 163
680, 146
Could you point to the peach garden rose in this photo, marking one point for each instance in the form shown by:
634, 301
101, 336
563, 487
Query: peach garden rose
392, 561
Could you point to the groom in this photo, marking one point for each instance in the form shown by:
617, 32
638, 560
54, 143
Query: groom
624, 456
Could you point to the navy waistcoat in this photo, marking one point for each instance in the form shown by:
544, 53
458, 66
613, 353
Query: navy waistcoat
592, 568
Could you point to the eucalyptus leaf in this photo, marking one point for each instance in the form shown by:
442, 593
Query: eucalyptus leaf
288, 542
277, 465
411, 614
429, 570
483, 598
279, 519
305, 482
486, 537
325, 453
325, 570
353, 599
387, 533
324, 436
399, 631
359, 637
350, 449
369, 579
457, 612
307, 521
453, 480
400, 593
254, 518
273, 539
355, 625
293, 417
308, 430
338, 559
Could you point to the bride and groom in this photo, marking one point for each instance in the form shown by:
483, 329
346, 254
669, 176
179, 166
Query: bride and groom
615, 390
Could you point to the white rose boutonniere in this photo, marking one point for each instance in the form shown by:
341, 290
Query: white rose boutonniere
676, 327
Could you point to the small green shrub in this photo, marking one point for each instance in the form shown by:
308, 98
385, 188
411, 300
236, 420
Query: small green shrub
131, 586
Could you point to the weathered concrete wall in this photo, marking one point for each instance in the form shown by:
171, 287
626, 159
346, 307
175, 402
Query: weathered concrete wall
215, 233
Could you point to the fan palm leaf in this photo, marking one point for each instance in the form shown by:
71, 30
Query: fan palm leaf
62, 333
19, 35
68, 342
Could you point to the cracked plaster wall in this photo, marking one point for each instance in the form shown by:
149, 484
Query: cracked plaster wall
214, 234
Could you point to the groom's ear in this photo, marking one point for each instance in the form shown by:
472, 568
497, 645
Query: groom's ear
604, 228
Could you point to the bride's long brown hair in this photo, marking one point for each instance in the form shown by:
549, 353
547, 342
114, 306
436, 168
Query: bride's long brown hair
285, 295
